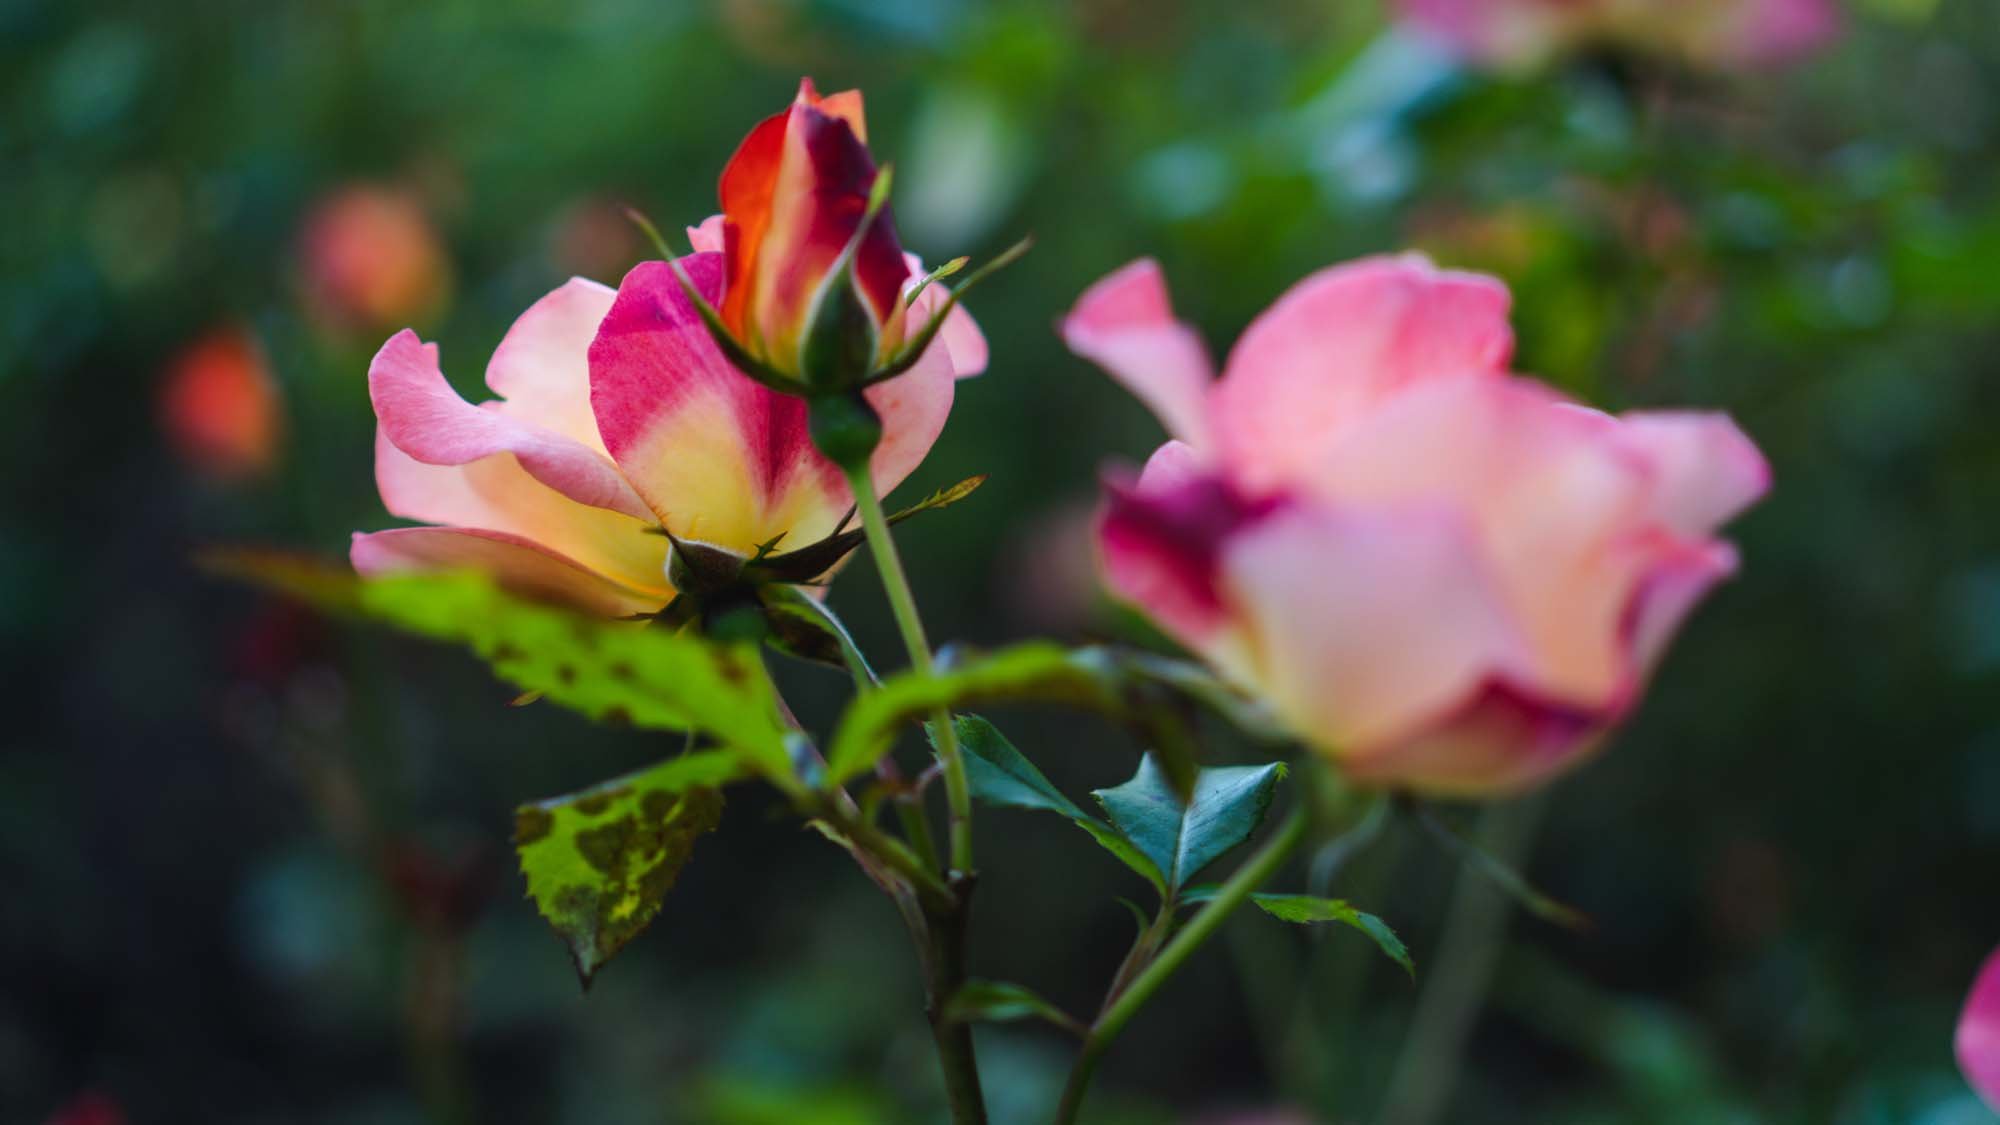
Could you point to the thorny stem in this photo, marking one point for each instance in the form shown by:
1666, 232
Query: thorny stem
896, 584
1199, 929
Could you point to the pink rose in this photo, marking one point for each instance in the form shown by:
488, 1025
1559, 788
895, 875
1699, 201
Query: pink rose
617, 417
1442, 575
1979, 1033
1727, 34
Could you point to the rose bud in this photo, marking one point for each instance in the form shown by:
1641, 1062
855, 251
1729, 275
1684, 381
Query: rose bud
1440, 575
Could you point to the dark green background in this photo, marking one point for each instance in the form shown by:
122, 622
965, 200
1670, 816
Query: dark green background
1790, 857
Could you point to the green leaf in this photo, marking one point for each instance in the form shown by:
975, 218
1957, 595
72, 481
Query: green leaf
1308, 909
804, 627
1037, 670
1182, 838
1001, 775
997, 1001
598, 863
611, 671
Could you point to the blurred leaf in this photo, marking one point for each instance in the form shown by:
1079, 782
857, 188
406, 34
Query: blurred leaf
611, 671
1033, 671
1504, 876
1308, 909
598, 863
1182, 838
1001, 775
999, 1001
803, 626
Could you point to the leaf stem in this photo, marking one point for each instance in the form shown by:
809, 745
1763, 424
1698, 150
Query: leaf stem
1200, 928
958, 792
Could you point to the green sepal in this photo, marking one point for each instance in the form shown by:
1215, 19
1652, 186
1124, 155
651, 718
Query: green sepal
813, 560
913, 347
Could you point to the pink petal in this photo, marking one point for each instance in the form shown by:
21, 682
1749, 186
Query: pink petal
519, 565
1367, 626
422, 416
542, 366
1160, 539
706, 235
1779, 31
496, 494
1340, 342
1502, 741
718, 456
1551, 494
1706, 471
1677, 577
1978, 1044
1125, 324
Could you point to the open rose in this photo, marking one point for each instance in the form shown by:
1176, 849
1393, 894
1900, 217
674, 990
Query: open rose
1442, 575
1979, 1033
619, 418
1726, 34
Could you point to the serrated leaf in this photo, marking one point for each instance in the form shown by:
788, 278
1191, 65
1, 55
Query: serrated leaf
1034, 671
611, 671
1182, 838
998, 1001
1308, 909
598, 863
1001, 775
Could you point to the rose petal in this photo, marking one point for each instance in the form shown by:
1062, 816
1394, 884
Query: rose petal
496, 494
959, 335
1159, 543
706, 235
422, 416
1978, 1040
542, 366
1706, 471
1340, 342
519, 565
1501, 742
1368, 626
718, 456
1125, 324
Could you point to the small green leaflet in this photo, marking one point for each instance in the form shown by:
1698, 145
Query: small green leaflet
598, 863
1306, 909
997, 1001
1181, 839
1037, 670
1001, 775
611, 671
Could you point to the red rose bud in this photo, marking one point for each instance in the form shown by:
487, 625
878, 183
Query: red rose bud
818, 297
814, 275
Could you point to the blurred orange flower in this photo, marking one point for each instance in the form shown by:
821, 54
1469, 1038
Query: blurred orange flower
220, 407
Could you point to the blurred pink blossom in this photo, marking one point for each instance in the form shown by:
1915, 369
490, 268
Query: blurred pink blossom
1979, 1033
1442, 575
1724, 34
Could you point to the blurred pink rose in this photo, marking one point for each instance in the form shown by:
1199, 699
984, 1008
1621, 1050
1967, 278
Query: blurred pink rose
370, 259
1979, 1033
1440, 574
1727, 34
617, 416
219, 406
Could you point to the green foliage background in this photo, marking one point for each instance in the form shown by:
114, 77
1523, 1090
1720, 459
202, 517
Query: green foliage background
248, 855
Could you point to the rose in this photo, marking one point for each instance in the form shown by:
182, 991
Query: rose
1737, 34
619, 419
370, 259
1978, 1043
1441, 575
